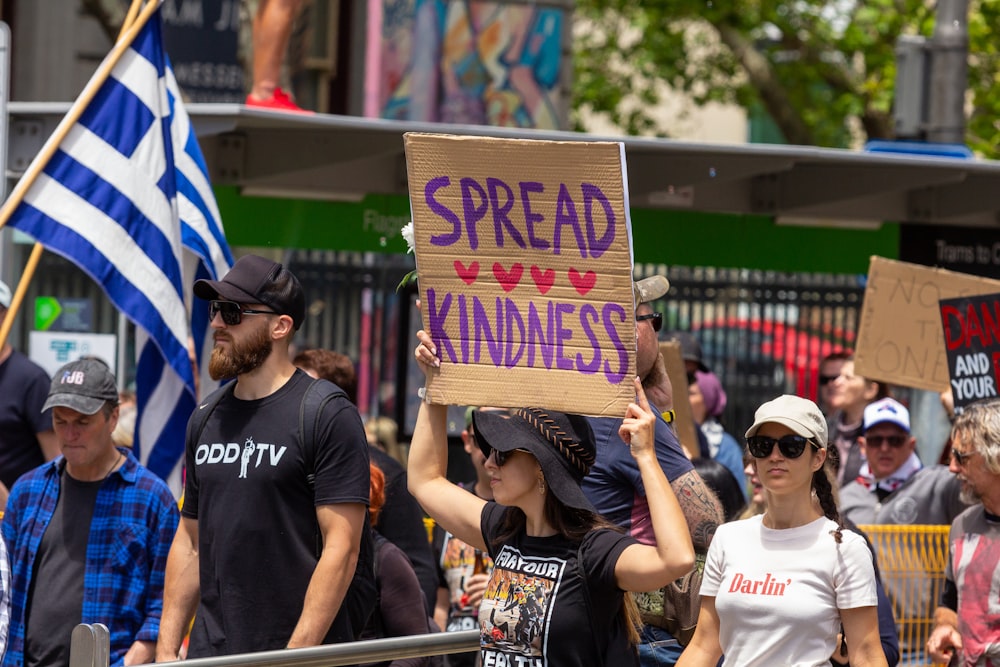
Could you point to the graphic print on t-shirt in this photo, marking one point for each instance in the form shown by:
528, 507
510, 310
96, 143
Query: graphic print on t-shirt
977, 567
458, 563
251, 455
515, 609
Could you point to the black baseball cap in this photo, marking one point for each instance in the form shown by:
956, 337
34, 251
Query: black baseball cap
256, 279
84, 385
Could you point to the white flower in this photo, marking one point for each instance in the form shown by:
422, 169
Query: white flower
407, 232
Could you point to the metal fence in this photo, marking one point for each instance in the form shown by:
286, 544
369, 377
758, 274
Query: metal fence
762, 332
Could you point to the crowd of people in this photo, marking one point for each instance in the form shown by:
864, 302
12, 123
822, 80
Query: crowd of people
577, 540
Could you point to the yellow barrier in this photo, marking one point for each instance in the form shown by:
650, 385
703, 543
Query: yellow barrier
911, 561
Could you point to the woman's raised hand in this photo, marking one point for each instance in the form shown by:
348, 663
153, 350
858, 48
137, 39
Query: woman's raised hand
638, 428
426, 353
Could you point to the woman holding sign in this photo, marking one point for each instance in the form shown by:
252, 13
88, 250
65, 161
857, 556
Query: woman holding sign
778, 587
556, 595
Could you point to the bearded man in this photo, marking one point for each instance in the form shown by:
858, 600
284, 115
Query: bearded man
269, 539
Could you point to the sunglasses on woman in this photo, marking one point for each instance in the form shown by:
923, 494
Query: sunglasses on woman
232, 312
790, 446
501, 457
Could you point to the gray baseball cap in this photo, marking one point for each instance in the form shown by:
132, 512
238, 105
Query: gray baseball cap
650, 289
83, 385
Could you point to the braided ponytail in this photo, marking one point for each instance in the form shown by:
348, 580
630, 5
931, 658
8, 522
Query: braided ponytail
823, 486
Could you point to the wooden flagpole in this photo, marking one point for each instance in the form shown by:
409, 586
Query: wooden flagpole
133, 11
133, 23
18, 297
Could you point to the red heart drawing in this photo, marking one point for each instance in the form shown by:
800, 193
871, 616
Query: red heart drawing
508, 280
468, 275
543, 279
583, 283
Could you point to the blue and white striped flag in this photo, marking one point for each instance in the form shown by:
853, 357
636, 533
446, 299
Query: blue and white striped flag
125, 192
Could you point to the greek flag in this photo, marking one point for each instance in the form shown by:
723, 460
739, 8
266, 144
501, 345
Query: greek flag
124, 195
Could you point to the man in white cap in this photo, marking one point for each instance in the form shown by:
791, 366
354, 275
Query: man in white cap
614, 486
26, 437
895, 488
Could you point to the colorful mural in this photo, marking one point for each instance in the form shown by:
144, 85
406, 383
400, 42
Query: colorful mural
460, 61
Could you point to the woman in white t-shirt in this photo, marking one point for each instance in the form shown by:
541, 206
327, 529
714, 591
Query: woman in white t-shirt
777, 587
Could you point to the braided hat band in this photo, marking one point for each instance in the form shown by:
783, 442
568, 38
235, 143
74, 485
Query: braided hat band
563, 445
570, 447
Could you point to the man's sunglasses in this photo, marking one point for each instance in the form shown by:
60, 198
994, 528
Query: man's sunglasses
961, 458
876, 441
827, 379
656, 320
791, 446
232, 312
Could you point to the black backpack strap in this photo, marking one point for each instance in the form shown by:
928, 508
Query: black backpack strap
196, 424
317, 395
359, 601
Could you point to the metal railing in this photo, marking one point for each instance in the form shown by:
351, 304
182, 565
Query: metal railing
911, 561
90, 647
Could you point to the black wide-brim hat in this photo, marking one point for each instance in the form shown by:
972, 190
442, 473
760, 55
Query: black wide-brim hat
562, 443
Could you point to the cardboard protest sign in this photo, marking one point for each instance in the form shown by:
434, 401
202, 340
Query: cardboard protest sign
899, 337
524, 258
972, 343
684, 424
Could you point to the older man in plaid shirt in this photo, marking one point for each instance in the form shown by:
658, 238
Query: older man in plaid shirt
87, 533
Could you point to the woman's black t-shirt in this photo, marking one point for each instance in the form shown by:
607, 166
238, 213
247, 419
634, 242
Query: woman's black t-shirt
541, 609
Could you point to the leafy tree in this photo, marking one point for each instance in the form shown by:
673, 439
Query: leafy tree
823, 70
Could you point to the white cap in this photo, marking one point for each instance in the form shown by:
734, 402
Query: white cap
887, 410
799, 414
4, 295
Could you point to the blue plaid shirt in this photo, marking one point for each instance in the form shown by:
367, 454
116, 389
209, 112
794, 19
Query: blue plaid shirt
135, 517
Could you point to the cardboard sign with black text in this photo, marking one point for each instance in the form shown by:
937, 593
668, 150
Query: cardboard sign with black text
972, 343
899, 336
524, 258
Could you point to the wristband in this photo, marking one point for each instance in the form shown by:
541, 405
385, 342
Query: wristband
669, 416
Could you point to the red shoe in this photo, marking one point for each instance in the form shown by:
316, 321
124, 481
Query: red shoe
279, 101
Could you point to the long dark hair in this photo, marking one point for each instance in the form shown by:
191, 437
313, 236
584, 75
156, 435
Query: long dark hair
573, 524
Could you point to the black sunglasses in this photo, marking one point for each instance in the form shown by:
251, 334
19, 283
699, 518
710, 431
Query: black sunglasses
657, 320
827, 379
876, 441
501, 457
232, 312
791, 446
961, 458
